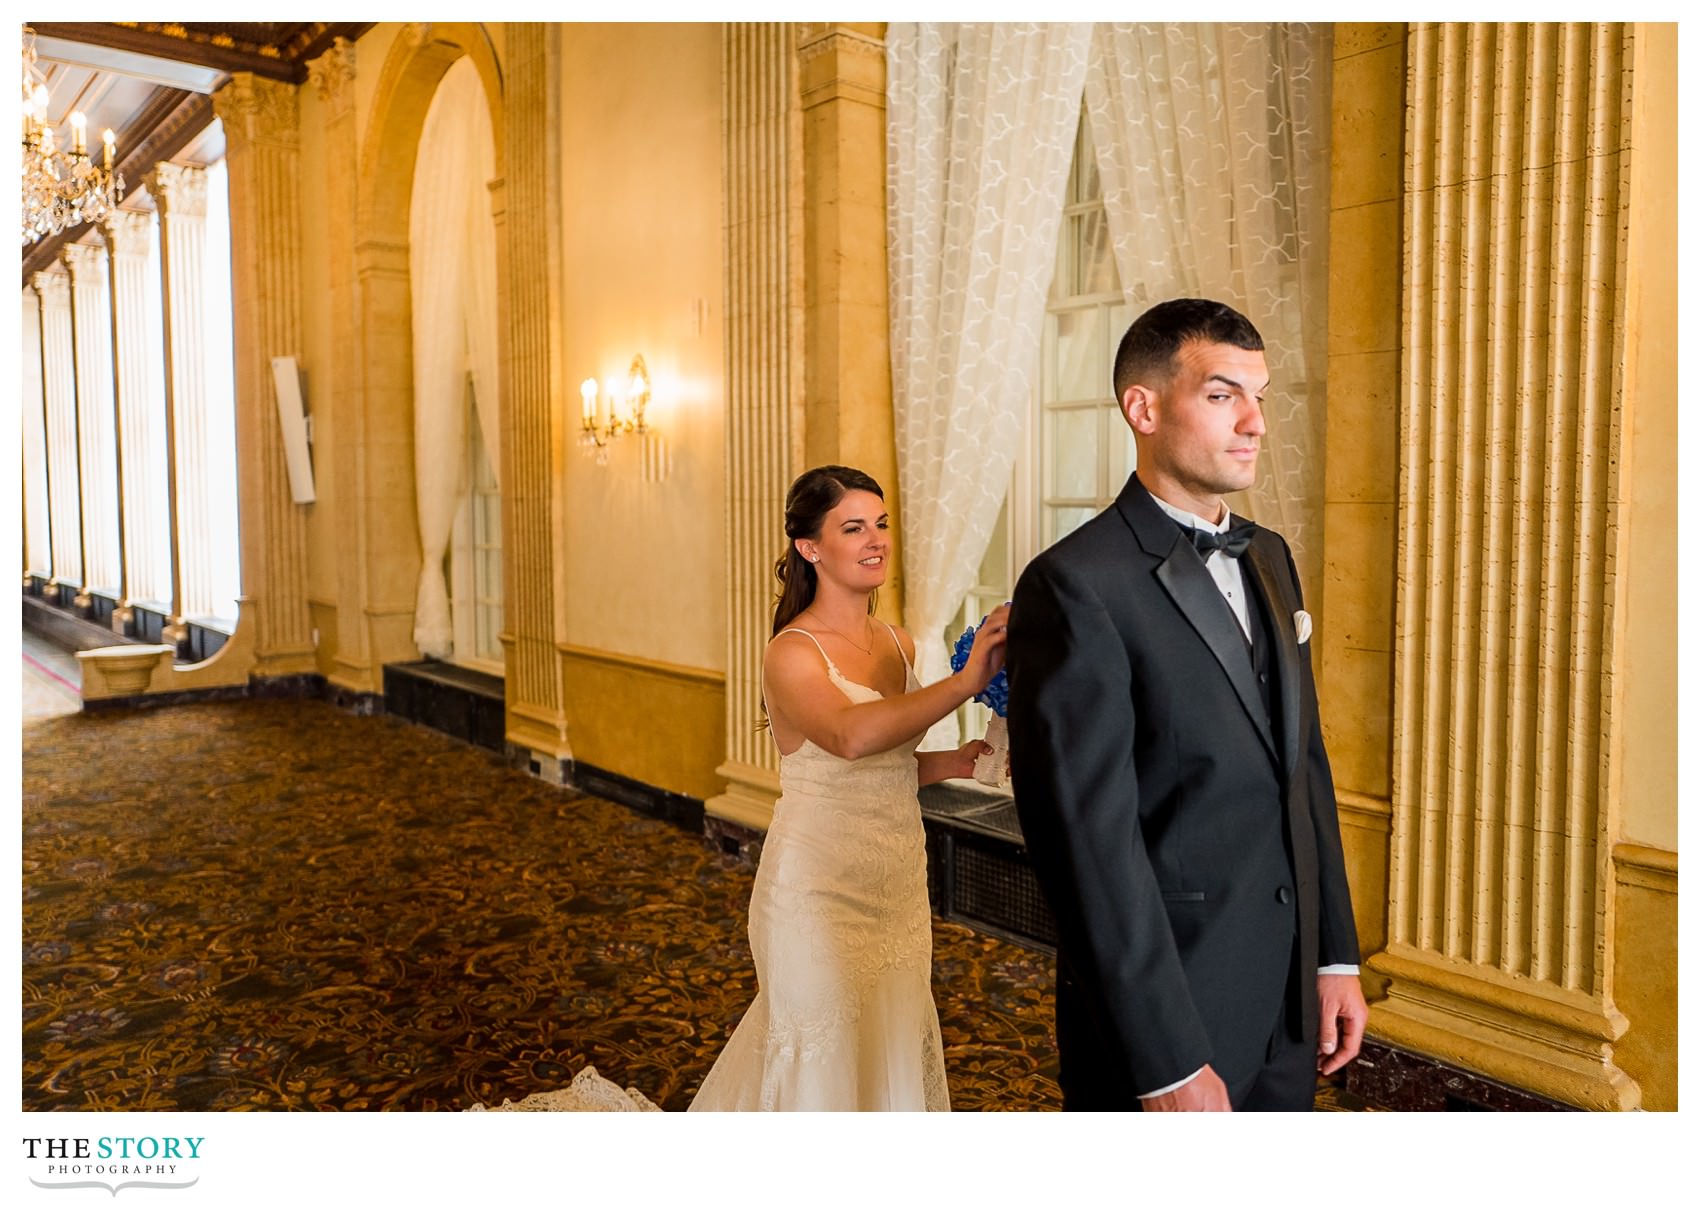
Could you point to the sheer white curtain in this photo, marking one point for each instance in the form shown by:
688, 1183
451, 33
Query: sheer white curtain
450, 233
480, 290
980, 121
1213, 148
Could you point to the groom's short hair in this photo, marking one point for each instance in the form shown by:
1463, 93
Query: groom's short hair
1148, 349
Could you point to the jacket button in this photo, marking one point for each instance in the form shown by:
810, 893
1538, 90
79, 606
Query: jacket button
1284, 895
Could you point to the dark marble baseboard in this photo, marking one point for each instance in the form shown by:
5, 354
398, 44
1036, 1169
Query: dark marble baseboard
1404, 1081
282, 686
167, 699
686, 812
200, 642
466, 704
355, 703
743, 843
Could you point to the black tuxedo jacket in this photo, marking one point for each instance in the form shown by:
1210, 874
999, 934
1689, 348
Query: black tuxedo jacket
1184, 834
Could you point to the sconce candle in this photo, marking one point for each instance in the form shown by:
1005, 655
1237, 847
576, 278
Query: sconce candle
637, 391
587, 390
108, 138
79, 132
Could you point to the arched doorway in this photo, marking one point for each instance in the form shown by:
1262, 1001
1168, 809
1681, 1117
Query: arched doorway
384, 487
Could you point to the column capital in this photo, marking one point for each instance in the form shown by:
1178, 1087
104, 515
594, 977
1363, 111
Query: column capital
332, 76
178, 189
257, 110
87, 263
127, 233
52, 286
840, 61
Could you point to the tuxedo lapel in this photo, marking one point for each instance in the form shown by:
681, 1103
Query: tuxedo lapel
1280, 609
1195, 594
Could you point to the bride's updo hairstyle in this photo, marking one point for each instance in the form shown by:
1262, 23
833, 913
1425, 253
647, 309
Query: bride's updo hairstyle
810, 500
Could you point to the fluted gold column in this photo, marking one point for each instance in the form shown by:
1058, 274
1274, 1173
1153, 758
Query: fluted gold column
180, 194
129, 237
333, 75
847, 316
38, 514
762, 156
1499, 933
534, 448
91, 339
59, 392
263, 158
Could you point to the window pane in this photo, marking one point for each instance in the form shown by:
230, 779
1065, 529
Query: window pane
488, 512
1062, 520
1080, 370
1072, 440
1096, 259
1083, 184
489, 631
490, 574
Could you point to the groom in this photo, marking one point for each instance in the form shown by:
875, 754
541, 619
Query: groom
1168, 762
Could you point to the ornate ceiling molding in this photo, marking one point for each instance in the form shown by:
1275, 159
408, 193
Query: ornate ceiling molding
274, 50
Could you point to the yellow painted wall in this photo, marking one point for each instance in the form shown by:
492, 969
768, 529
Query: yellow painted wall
370, 52
1360, 528
662, 724
642, 255
1649, 467
1644, 978
1644, 939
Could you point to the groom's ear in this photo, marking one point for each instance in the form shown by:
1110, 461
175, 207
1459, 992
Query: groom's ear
1139, 406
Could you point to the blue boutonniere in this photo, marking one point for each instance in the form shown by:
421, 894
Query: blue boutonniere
996, 694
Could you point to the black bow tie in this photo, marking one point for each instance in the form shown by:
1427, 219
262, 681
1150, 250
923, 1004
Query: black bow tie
1231, 543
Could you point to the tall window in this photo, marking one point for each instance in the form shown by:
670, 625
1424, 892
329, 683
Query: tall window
1085, 447
1077, 451
224, 578
38, 555
475, 559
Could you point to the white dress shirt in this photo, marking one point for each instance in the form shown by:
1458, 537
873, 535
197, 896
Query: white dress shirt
1225, 571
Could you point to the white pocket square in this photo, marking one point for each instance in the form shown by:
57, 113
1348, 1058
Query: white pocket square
1301, 625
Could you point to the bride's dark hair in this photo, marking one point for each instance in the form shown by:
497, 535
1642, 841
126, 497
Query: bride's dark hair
812, 496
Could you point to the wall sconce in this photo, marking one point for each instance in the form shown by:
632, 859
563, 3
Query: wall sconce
600, 424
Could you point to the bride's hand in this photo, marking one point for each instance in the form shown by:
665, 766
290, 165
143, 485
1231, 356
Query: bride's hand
985, 659
962, 759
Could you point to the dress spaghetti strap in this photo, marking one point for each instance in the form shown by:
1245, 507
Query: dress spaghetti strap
811, 636
899, 644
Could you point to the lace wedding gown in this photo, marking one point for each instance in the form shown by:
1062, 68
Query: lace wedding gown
843, 1019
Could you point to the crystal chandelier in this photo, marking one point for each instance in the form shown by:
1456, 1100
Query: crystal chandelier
62, 186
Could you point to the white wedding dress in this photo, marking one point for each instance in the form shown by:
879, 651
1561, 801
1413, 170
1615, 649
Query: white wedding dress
843, 1019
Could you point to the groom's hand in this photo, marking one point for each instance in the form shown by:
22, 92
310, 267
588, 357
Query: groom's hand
1205, 1093
1340, 999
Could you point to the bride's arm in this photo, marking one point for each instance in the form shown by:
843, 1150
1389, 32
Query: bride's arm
938, 765
800, 693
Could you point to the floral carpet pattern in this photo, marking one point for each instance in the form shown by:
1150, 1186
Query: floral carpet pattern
276, 905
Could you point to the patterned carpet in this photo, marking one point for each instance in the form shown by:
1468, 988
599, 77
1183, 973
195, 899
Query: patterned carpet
276, 905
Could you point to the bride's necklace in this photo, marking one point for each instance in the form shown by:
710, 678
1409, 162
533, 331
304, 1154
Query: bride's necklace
869, 650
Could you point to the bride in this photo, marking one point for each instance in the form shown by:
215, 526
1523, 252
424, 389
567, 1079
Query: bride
843, 1018
839, 922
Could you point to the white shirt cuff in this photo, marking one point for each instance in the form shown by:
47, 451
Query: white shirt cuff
1337, 970
1174, 1086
